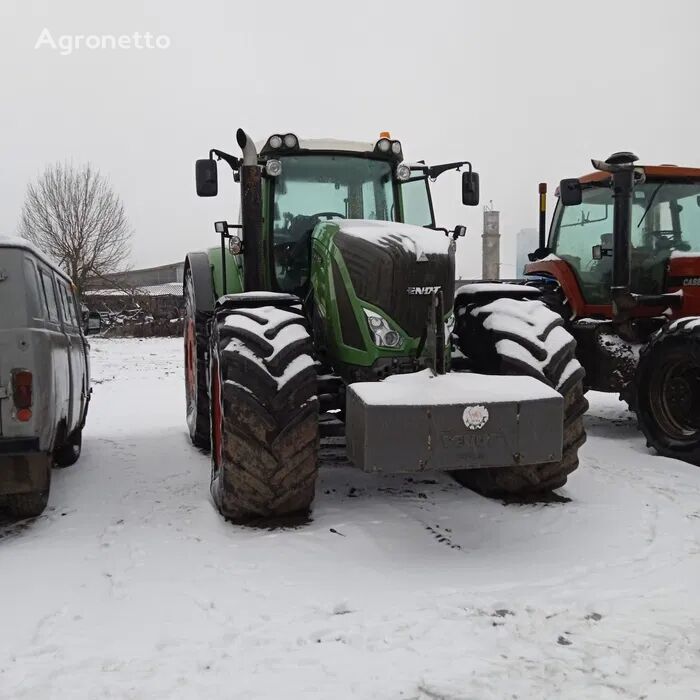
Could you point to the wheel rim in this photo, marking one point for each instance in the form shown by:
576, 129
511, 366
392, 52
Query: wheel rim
190, 334
216, 415
675, 399
190, 360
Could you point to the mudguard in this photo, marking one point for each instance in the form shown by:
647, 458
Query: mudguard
203, 286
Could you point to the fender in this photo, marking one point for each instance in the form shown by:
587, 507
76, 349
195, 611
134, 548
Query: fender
202, 283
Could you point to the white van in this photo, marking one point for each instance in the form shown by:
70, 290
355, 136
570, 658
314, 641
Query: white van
44, 376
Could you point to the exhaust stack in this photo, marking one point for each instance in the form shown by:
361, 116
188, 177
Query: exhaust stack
250, 155
251, 214
621, 167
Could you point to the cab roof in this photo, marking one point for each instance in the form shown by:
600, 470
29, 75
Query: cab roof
666, 171
329, 145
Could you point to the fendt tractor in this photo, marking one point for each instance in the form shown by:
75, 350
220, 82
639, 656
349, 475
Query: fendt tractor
622, 267
329, 309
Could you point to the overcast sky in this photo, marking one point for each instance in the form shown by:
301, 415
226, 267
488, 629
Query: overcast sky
527, 91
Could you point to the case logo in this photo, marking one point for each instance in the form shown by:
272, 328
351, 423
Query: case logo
420, 291
691, 282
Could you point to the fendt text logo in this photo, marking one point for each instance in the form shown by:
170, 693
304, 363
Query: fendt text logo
422, 290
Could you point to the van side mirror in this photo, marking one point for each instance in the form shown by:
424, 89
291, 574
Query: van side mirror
570, 192
470, 188
207, 177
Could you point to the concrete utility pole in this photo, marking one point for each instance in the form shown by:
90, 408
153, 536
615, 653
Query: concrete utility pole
491, 244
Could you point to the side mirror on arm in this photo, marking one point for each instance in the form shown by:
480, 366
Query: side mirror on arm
570, 192
207, 177
470, 188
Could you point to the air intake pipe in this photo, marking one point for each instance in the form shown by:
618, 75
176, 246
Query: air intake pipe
621, 167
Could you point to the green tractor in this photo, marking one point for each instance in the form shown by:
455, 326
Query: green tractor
330, 309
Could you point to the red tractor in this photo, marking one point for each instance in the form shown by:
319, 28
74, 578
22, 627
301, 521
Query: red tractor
622, 266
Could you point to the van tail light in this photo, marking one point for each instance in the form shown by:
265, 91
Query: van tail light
22, 393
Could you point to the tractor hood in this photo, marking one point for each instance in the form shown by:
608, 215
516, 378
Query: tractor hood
415, 240
397, 267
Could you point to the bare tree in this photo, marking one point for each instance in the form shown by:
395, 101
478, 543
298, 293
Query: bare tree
75, 217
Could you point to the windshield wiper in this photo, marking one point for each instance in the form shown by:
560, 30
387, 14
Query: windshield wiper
651, 201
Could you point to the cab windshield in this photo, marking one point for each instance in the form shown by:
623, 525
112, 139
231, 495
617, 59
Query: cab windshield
665, 218
315, 188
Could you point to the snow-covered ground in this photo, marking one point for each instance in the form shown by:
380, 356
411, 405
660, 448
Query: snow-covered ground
132, 586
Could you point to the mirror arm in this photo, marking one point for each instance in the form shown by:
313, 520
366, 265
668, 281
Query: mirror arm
234, 162
436, 170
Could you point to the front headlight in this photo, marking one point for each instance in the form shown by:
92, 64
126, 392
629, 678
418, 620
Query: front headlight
273, 168
382, 333
403, 172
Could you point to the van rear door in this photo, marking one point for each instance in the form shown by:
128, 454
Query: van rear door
13, 323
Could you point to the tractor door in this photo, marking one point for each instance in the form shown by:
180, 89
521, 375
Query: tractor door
576, 231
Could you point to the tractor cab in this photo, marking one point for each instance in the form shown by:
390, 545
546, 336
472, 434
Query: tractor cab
289, 186
665, 219
626, 235
317, 187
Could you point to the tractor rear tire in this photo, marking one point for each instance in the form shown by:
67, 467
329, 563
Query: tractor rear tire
667, 391
522, 337
265, 414
196, 359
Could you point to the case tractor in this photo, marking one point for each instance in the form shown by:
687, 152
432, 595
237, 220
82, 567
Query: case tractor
329, 309
622, 267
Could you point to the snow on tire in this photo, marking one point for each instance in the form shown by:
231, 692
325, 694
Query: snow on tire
524, 337
264, 414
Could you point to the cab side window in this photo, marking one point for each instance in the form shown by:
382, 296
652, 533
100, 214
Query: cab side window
50, 294
66, 308
73, 309
32, 282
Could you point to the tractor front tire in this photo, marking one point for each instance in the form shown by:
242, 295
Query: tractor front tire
523, 337
667, 391
264, 414
196, 347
